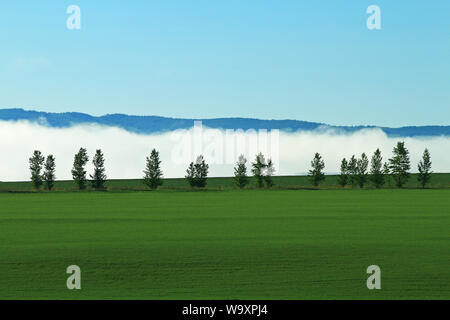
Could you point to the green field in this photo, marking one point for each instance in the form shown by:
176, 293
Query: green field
232, 244
438, 181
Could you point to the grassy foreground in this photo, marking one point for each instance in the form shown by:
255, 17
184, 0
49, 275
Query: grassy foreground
253, 244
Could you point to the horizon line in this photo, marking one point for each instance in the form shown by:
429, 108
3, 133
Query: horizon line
221, 118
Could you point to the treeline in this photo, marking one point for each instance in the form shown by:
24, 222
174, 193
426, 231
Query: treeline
355, 172
38, 163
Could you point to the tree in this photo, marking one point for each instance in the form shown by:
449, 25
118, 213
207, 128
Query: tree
387, 174
399, 164
201, 169
424, 167
353, 170
240, 172
49, 172
78, 172
98, 179
269, 170
152, 173
376, 169
343, 177
197, 173
315, 174
258, 169
362, 165
190, 174
36, 162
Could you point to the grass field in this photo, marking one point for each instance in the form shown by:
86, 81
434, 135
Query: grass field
439, 181
252, 244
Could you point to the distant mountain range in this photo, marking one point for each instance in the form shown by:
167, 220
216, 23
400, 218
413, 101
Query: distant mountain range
155, 124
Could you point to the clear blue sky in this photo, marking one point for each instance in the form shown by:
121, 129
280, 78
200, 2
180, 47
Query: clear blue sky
306, 60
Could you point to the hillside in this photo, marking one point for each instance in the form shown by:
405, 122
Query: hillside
154, 124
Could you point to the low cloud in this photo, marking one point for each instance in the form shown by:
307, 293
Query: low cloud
125, 152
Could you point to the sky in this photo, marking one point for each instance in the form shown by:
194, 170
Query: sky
305, 60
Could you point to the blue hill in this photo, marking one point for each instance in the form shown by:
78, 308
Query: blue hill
154, 124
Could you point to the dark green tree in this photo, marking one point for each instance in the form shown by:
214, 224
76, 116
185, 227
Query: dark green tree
258, 169
240, 172
36, 162
399, 164
316, 174
376, 169
78, 171
387, 174
362, 166
98, 179
197, 173
190, 174
152, 173
269, 170
343, 177
424, 167
201, 169
49, 172
353, 170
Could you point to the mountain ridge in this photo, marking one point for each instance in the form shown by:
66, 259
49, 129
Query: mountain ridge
158, 124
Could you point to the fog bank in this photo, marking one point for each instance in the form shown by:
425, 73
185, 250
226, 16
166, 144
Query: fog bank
125, 152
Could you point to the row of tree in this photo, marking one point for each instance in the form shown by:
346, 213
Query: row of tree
44, 173
354, 172
48, 176
196, 173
